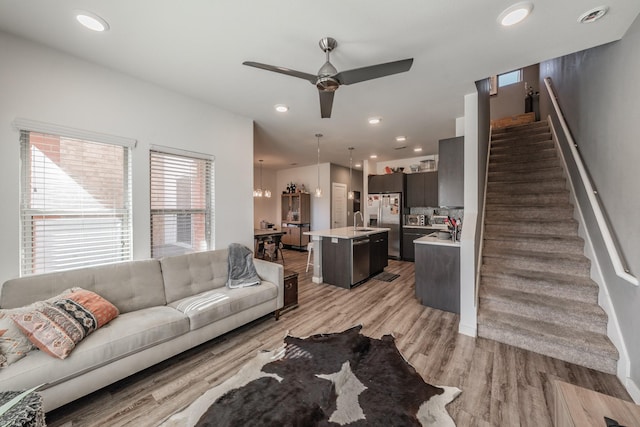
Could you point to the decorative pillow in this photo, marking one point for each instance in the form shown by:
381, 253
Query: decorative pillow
59, 324
14, 345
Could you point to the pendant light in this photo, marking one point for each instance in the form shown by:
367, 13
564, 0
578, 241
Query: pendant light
258, 191
350, 193
318, 192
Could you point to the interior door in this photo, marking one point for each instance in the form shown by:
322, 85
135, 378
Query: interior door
338, 205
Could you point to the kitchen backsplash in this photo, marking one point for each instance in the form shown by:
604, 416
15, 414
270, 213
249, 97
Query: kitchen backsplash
429, 212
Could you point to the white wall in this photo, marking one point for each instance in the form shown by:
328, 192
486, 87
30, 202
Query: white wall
308, 175
43, 84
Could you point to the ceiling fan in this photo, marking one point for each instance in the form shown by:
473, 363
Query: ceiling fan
329, 79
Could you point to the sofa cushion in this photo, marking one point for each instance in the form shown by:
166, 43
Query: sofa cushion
128, 285
127, 334
191, 274
58, 325
210, 306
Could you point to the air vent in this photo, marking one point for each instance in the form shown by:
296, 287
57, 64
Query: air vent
593, 15
400, 148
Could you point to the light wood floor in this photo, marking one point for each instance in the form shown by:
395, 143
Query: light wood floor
501, 385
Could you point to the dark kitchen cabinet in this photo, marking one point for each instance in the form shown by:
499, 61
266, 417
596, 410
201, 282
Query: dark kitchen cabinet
422, 189
388, 183
336, 261
378, 252
451, 172
438, 276
408, 236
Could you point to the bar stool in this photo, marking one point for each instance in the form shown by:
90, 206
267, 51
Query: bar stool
309, 249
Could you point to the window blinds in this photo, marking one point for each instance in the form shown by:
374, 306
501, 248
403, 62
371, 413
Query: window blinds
181, 203
75, 203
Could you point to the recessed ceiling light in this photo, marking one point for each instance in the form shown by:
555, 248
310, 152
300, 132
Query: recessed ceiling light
281, 108
358, 165
91, 21
593, 15
401, 138
417, 150
375, 120
373, 156
515, 13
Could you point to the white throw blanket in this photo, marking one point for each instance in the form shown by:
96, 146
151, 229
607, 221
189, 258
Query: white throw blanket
242, 272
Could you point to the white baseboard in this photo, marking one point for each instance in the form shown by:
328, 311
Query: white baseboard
633, 389
315, 279
470, 330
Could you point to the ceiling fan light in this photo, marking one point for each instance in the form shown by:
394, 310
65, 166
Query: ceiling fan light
327, 84
515, 14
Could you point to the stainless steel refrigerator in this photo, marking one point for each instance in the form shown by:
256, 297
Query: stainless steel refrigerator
385, 210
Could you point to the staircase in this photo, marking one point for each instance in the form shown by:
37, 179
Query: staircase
535, 288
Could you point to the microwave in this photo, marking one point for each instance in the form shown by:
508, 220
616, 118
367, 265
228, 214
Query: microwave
415, 220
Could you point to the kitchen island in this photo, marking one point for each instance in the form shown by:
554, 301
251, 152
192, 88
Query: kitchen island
348, 256
438, 272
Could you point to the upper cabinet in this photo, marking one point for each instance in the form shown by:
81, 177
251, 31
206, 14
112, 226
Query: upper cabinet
388, 183
451, 172
422, 189
296, 208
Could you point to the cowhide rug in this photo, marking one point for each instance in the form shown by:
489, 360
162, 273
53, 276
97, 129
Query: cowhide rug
324, 380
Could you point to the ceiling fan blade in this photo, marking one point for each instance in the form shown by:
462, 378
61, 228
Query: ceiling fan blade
373, 71
326, 102
282, 70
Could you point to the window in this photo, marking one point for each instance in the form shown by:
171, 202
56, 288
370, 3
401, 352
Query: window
181, 202
75, 205
510, 78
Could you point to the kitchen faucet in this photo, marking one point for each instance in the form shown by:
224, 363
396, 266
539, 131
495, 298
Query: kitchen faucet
355, 216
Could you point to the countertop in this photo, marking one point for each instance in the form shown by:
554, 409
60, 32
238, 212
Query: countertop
346, 232
432, 239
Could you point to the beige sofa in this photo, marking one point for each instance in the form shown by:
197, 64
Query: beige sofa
151, 326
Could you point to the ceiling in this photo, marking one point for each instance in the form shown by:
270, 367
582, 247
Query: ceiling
197, 47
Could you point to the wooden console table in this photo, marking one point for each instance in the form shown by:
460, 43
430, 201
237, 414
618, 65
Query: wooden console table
578, 407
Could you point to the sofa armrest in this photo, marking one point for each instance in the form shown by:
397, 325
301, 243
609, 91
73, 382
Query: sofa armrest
274, 273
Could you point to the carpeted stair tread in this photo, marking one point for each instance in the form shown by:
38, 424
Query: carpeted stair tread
520, 138
551, 242
535, 187
534, 260
583, 348
548, 308
519, 148
542, 154
529, 200
566, 227
524, 166
555, 284
535, 242
514, 212
540, 174
514, 129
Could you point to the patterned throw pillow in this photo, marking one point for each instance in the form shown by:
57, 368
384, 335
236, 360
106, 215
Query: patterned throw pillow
59, 324
14, 345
